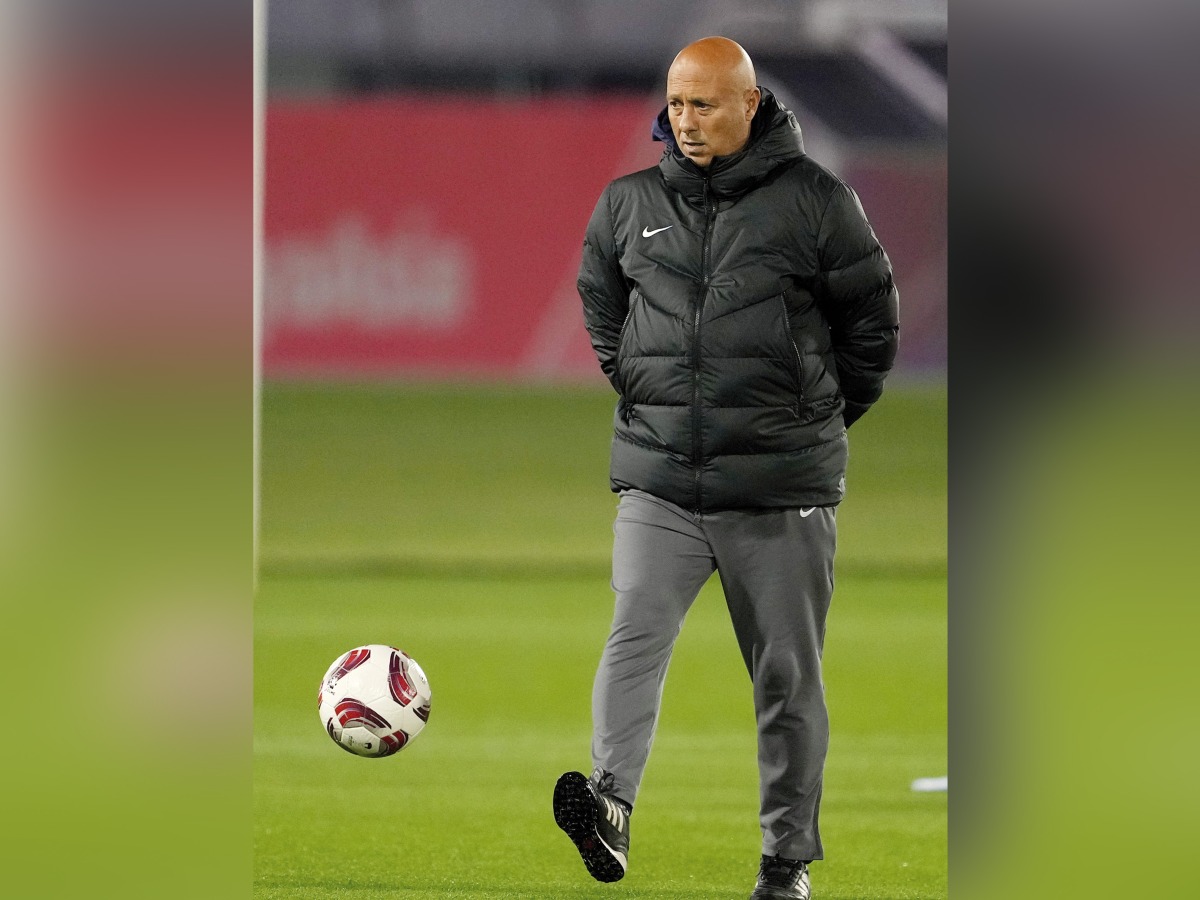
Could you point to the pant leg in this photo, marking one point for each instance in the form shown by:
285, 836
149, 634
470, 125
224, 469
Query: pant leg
660, 562
776, 568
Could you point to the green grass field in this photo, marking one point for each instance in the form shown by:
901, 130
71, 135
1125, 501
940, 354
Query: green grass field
472, 526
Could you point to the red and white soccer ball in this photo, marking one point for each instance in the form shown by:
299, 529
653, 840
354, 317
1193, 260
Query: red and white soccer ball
374, 700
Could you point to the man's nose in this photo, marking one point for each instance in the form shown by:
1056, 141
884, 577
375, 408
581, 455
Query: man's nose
687, 120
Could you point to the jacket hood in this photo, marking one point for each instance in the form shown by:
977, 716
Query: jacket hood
775, 138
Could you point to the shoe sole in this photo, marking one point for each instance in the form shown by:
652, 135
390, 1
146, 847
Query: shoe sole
769, 892
575, 813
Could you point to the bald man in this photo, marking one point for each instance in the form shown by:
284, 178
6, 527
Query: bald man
744, 312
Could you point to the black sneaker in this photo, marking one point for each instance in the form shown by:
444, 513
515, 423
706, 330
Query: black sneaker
596, 823
781, 879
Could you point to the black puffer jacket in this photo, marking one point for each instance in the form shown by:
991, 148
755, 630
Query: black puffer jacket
745, 314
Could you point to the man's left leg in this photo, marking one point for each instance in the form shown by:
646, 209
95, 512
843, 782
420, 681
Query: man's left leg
776, 568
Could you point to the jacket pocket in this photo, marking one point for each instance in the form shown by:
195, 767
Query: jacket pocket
621, 339
794, 350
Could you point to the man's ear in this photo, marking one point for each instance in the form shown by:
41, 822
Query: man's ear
752, 99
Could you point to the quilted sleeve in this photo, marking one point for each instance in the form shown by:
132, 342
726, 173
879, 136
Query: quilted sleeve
859, 299
603, 288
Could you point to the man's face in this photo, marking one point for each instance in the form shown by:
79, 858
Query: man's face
709, 115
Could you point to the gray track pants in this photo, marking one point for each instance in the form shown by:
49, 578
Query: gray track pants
776, 568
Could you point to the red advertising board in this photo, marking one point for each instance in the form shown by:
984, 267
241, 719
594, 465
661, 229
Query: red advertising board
440, 236
436, 236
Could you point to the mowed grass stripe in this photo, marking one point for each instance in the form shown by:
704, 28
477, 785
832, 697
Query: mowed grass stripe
382, 477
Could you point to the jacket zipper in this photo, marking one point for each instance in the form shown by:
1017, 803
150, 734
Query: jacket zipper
710, 213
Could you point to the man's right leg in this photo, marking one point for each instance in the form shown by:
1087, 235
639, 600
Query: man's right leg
661, 560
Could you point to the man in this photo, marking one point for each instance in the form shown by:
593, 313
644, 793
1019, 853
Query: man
743, 310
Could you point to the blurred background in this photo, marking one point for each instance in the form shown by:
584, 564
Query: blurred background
431, 165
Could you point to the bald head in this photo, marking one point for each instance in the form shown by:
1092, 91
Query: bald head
720, 57
712, 97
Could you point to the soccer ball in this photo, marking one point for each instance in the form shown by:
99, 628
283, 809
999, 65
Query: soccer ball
374, 700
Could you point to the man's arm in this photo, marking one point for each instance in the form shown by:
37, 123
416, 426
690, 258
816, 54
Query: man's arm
860, 301
603, 288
